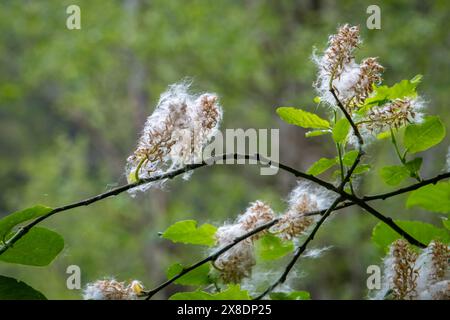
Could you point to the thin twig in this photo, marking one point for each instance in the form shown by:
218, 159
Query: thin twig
412, 187
347, 115
216, 254
24, 230
388, 220
300, 250
211, 257
357, 134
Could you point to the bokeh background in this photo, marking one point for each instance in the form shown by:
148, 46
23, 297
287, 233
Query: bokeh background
72, 104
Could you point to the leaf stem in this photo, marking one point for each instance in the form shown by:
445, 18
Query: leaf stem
141, 163
394, 142
341, 163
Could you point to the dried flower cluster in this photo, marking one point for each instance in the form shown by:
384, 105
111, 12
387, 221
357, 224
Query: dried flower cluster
302, 200
412, 276
237, 263
434, 272
370, 73
340, 50
256, 215
404, 275
112, 290
351, 81
394, 114
175, 134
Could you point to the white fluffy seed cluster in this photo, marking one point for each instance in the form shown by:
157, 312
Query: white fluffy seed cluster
110, 289
434, 272
394, 114
175, 134
411, 276
304, 199
338, 69
354, 82
236, 264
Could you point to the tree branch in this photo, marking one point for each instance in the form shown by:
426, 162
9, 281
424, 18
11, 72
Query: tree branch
24, 230
169, 175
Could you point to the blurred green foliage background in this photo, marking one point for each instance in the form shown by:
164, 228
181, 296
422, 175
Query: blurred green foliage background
73, 102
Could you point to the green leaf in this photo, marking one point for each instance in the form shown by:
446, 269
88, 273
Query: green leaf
405, 88
233, 292
340, 130
321, 166
316, 133
270, 247
393, 175
294, 295
414, 165
336, 174
420, 137
13, 289
38, 247
435, 198
387, 134
362, 168
402, 89
383, 235
15, 218
302, 118
194, 295
187, 232
197, 277
379, 97
384, 135
349, 158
